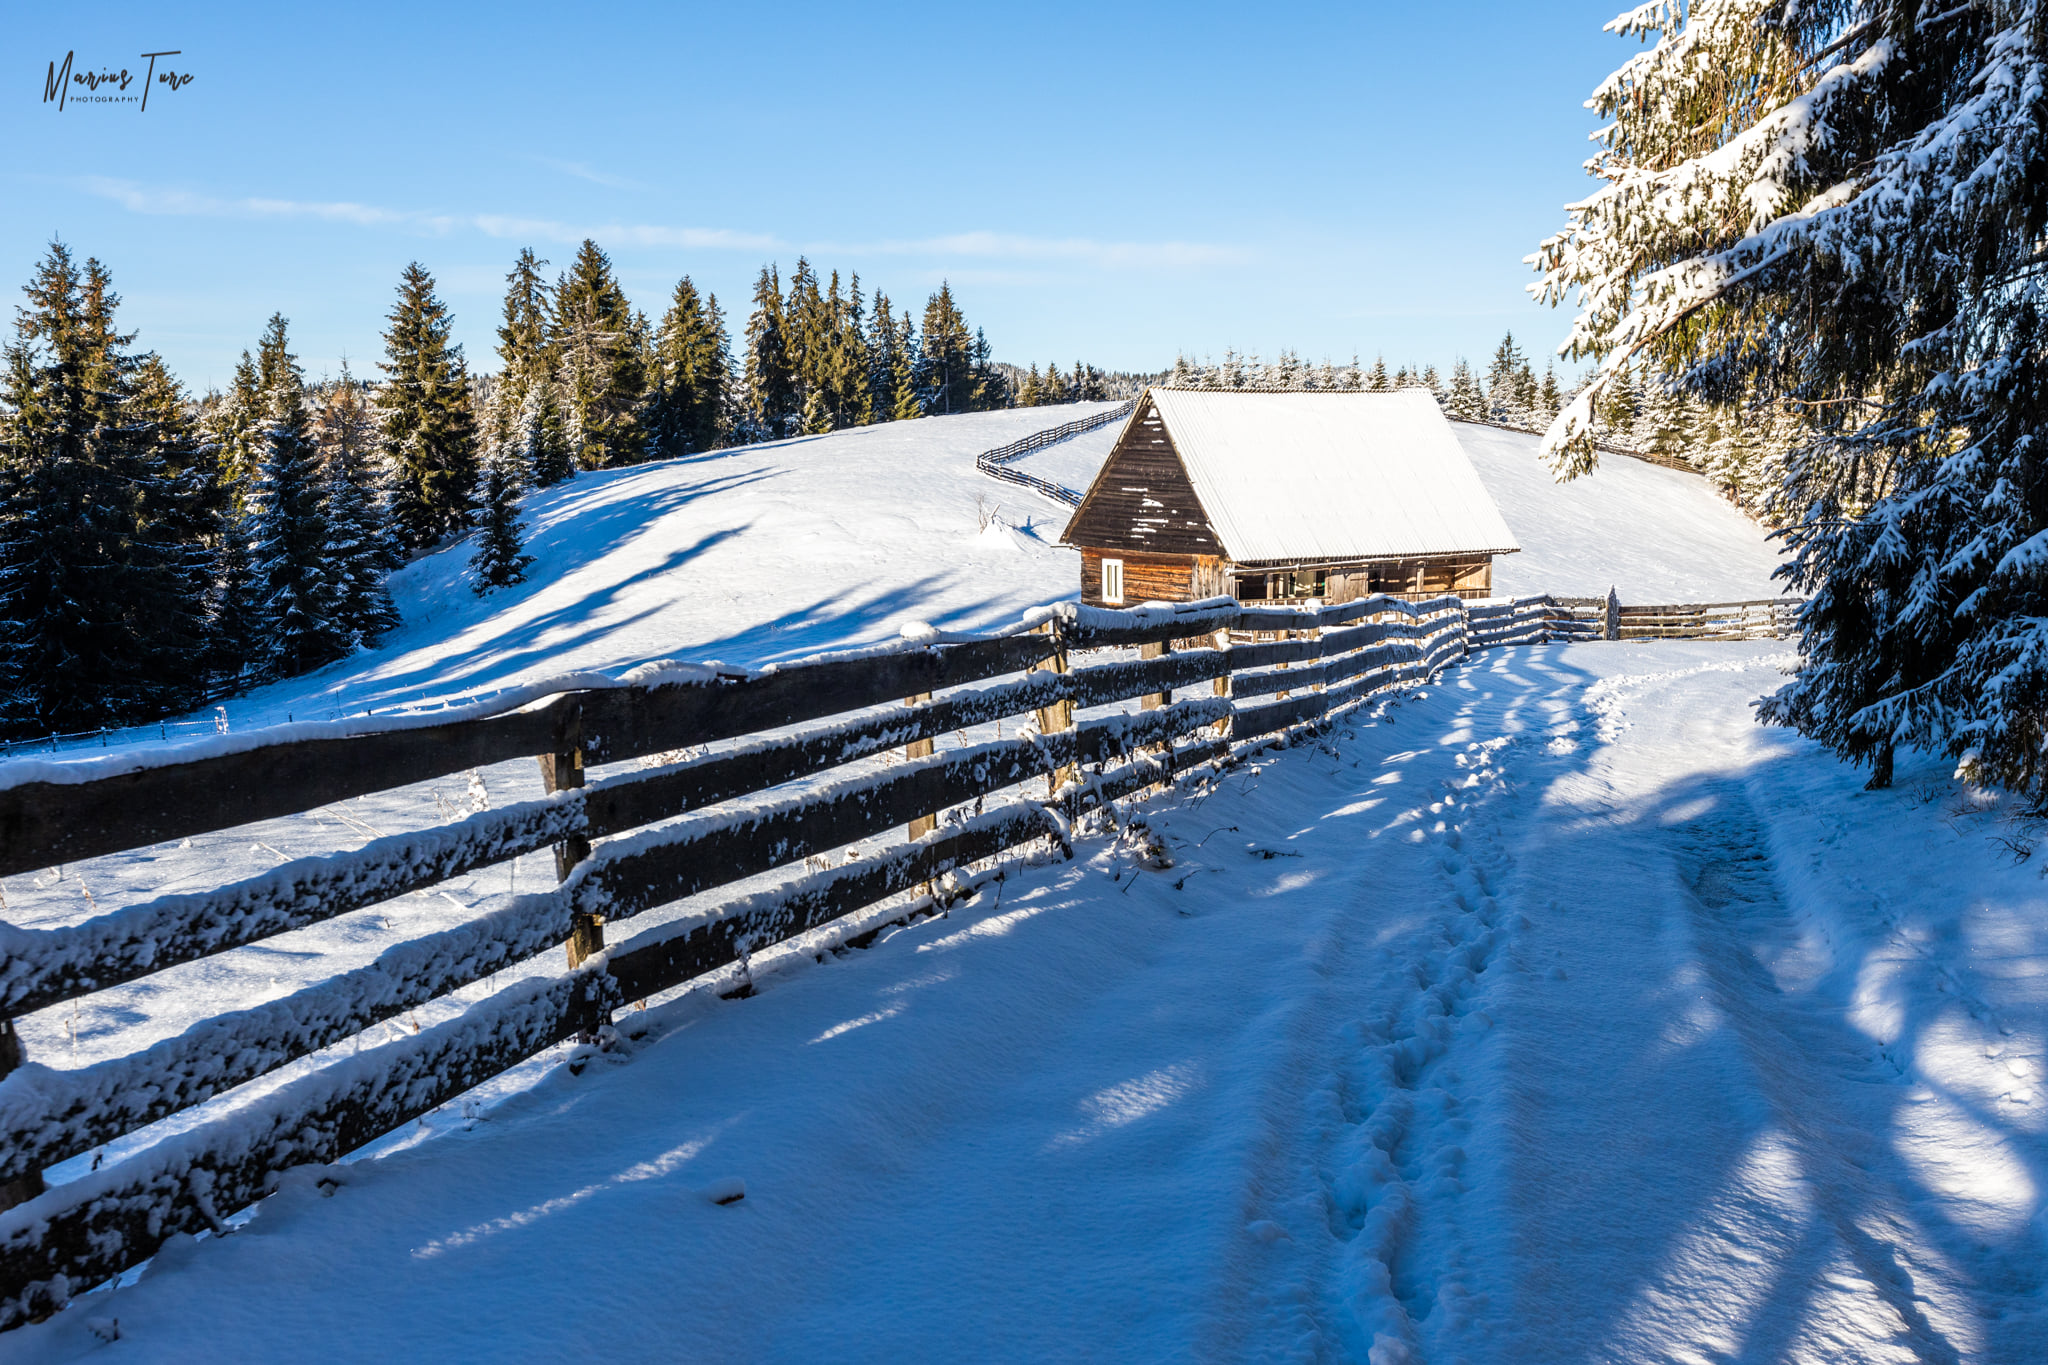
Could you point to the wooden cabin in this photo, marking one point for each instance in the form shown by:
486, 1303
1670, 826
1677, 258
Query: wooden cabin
1271, 497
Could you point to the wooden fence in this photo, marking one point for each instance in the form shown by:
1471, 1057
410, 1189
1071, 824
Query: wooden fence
996, 463
774, 792
1598, 618
797, 730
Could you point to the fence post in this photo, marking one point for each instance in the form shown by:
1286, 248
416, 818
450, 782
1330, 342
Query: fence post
1060, 715
23, 1188
1221, 686
560, 771
1613, 630
1152, 701
916, 749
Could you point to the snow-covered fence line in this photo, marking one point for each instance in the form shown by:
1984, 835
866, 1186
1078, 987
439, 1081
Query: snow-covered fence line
780, 797
995, 463
1608, 618
1509, 621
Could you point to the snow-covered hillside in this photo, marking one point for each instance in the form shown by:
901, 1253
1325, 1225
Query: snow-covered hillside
1653, 534
772, 552
746, 556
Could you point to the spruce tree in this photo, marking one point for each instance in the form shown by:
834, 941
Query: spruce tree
499, 561
429, 436
1464, 402
846, 371
907, 380
541, 436
690, 374
949, 380
883, 358
601, 351
183, 505
523, 345
92, 612
361, 549
1549, 398
770, 383
1506, 401
235, 419
290, 539
235, 608
1376, 379
1840, 207
991, 387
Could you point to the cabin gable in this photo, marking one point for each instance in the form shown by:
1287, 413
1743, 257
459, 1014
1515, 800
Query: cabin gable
1142, 500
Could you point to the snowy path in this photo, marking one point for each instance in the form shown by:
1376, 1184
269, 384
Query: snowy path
1560, 1014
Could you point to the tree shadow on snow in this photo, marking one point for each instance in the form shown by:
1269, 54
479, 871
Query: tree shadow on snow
1725, 1136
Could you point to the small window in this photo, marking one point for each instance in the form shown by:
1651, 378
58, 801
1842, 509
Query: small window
1113, 581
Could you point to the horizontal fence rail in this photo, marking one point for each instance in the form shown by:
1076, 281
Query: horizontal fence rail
1608, 618
996, 463
753, 775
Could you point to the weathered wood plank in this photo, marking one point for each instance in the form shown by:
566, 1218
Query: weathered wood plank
44, 823
670, 956
47, 1115
79, 1234
43, 967
729, 845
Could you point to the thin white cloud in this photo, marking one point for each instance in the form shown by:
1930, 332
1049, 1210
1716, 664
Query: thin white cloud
545, 230
1013, 247
182, 203
959, 246
583, 171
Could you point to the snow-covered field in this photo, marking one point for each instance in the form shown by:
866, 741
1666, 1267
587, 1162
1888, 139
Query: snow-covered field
1557, 1013
773, 552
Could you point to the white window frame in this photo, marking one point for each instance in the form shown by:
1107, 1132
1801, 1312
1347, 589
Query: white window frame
1113, 582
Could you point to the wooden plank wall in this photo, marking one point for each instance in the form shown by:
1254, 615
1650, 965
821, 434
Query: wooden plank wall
1142, 501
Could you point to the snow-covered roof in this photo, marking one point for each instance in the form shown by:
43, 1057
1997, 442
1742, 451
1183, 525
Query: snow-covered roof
1334, 474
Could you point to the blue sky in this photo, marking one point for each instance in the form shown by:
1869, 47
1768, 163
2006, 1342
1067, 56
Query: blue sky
1114, 183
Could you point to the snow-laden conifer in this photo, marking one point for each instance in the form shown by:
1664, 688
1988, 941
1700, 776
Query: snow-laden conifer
299, 599
1840, 205
601, 361
1464, 401
361, 547
429, 436
499, 561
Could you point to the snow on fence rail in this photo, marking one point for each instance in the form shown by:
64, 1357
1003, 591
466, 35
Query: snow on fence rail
1597, 618
995, 463
777, 799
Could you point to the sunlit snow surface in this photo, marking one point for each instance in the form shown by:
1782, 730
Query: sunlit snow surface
1559, 1013
773, 552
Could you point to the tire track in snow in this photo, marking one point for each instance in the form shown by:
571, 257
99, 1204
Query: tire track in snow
1812, 1068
